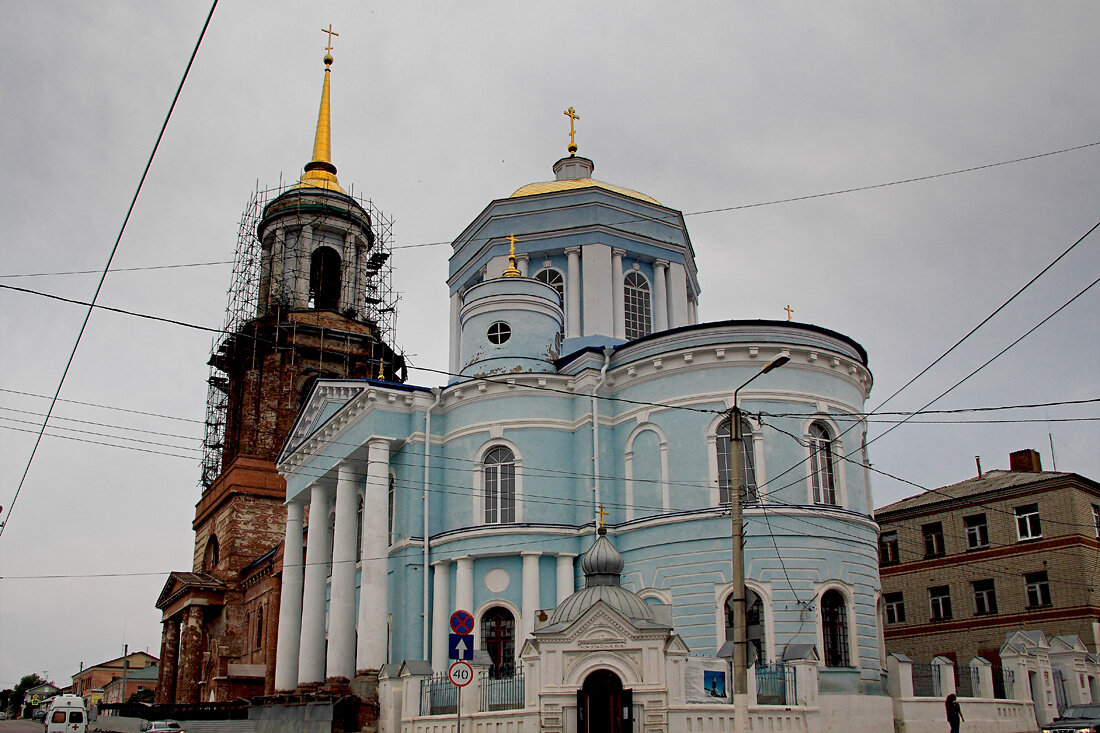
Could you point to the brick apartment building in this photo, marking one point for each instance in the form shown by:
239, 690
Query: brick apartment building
90, 682
964, 565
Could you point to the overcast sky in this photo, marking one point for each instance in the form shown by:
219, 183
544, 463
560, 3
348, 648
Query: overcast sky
439, 108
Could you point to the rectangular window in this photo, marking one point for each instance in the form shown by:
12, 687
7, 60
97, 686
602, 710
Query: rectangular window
939, 598
933, 539
977, 532
1038, 589
895, 608
1096, 519
985, 597
1027, 522
888, 548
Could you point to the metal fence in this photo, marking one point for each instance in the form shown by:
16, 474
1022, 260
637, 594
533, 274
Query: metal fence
1003, 683
438, 696
926, 680
500, 692
968, 682
776, 684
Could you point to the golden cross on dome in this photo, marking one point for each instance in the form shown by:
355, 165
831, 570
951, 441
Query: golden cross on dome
602, 514
789, 310
572, 115
330, 33
512, 270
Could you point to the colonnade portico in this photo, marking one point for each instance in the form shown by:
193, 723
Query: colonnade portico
304, 655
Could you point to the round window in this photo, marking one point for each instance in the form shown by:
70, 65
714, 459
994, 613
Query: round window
499, 332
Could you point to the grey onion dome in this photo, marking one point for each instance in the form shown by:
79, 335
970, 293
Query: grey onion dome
602, 565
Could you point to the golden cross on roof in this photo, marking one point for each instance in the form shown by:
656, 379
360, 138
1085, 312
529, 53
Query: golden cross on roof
512, 270
789, 310
602, 514
572, 115
330, 33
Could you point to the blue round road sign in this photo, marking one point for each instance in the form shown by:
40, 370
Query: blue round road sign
462, 622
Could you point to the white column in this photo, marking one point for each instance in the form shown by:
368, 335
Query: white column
441, 613
456, 334
530, 595
677, 296
596, 278
341, 611
693, 311
464, 584
302, 254
311, 657
290, 602
347, 274
374, 560
573, 293
278, 285
521, 264
617, 293
660, 299
566, 577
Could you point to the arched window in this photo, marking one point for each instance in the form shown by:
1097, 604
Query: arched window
821, 464
498, 637
554, 279
210, 554
324, 278
636, 306
834, 629
359, 528
390, 496
755, 632
748, 462
500, 486
259, 627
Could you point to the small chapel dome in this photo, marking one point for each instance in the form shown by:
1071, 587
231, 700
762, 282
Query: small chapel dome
602, 565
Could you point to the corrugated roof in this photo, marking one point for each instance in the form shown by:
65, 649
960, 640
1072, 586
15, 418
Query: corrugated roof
990, 481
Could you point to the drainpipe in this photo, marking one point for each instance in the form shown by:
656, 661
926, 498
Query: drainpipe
596, 436
427, 454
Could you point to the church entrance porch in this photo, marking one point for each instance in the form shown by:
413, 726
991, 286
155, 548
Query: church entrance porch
603, 706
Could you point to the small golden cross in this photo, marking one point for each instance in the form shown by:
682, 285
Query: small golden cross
512, 250
330, 33
789, 312
572, 115
602, 514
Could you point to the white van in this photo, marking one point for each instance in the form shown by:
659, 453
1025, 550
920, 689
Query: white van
67, 715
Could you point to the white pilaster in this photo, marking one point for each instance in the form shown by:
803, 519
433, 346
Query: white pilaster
693, 311
347, 274
301, 266
456, 334
660, 297
441, 613
278, 252
617, 302
595, 294
464, 584
290, 602
373, 582
565, 580
530, 595
573, 293
521, 264
677, 296
341, 613
311, 656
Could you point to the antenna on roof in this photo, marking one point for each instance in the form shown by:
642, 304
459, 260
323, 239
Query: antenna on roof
978, 460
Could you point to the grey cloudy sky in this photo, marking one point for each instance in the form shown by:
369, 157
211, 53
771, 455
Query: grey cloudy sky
439, 108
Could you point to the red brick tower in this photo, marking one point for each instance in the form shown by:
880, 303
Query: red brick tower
310, 298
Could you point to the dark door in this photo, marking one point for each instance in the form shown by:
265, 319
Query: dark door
603, 706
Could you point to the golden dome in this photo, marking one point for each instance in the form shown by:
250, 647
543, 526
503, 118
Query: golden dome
533, 189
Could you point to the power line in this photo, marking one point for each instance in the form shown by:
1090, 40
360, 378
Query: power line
122, 269
102, 406
107, 267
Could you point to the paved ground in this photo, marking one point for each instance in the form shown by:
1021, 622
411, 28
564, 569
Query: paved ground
17, 726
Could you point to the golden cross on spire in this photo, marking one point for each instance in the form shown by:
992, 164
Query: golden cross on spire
789, 310
512, 270
330, 33
572, 115
602, 514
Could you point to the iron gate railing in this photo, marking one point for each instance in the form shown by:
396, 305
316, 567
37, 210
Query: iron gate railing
926, 680
438, 696
501, 693
968, 681
1003, 680
776, 684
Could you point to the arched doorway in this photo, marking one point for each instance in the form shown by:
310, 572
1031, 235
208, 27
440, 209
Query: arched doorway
324, 278
755, 631
603, 706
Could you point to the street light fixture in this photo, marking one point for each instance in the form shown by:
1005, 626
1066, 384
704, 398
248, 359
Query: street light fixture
737, 479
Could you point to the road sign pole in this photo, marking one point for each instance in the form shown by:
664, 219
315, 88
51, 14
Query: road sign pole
458, 711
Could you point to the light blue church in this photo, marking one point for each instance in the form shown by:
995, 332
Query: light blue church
584, 390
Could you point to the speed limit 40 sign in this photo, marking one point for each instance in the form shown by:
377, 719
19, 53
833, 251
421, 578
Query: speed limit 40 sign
460, 673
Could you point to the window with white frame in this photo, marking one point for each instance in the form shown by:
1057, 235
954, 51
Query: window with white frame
1028, 526
939, 599
499, 469
895, 608
977, 532
1096, 519
637, 308
985, 597
888, 548
748, 462
821, 464
556, 280
1037, 588
834, 629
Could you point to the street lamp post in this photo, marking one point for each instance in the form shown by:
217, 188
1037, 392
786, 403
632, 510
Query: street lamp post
737, 492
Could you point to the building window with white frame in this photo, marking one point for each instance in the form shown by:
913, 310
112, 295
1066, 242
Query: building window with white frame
834, 629
821, 464
939, 599
977, 532
888, 553
499, 468
1037, 588
556, 280
1028, 526
895, 608
985, 597
748, 462
1096, 519
637, 308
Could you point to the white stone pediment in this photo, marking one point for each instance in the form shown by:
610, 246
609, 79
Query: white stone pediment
676, 645
326, 399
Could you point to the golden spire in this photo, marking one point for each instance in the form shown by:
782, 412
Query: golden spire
572, 115
320, 172
512, 270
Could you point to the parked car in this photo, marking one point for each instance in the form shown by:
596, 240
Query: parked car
39, 715
163, 726
1075, 719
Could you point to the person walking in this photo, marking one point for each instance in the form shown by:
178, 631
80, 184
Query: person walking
954, 712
